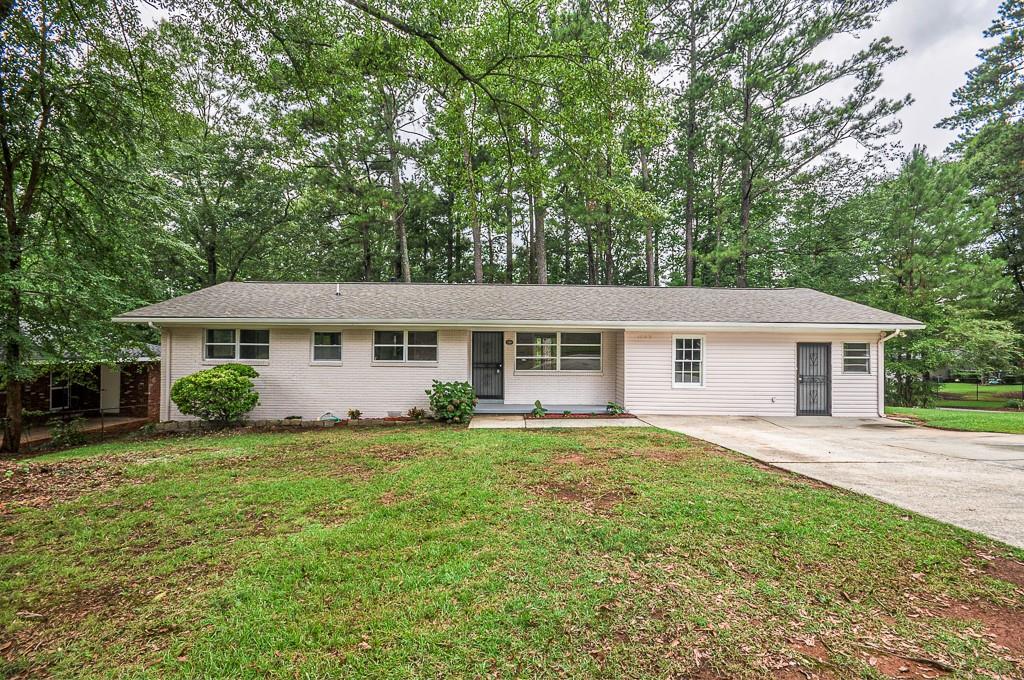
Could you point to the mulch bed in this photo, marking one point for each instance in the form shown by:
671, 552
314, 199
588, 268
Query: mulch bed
557, 416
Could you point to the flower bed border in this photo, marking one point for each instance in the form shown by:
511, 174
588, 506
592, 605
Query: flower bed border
576, 416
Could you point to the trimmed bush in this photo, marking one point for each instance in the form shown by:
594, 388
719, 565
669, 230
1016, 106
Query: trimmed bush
452, 402
222, 394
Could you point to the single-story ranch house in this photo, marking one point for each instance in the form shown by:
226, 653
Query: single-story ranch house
376, 347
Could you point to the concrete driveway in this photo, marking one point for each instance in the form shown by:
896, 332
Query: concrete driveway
971, 479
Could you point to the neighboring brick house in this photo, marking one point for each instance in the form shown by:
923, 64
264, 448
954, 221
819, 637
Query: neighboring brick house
130, 388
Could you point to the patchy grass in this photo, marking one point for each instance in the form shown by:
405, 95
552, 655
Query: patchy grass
968, 421
430, 552
967, 395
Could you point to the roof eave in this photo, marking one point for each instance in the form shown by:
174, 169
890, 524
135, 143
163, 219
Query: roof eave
519, 323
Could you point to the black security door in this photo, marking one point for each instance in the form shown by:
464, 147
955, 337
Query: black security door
488, 373
814, 379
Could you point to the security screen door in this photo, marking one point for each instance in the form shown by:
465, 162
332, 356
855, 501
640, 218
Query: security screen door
488, 368
814, 379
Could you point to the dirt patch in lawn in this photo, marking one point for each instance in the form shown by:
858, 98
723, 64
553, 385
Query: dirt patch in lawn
593, 500
1007, 570
41, 485
886, 663
579, 460
1001, 625
811, 648
398, 451
389, 498
894, 666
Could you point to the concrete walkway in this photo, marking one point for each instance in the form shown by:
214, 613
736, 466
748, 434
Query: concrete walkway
518, 422
974, 480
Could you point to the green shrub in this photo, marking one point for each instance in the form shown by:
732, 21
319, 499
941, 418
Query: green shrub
452, 402
614, 408
65, 434
222, 394
416, 413
1016, 403
538, 409
354, 414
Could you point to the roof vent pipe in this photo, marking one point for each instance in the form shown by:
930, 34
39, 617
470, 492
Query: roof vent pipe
337, 289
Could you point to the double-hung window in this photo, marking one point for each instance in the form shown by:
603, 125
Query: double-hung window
856, 357
326, 346
405, 346
60, 391
237, 343
688, 362
558, 351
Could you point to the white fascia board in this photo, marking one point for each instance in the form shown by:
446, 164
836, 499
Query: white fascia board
517, 323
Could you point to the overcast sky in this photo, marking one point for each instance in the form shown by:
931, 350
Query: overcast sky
942, 38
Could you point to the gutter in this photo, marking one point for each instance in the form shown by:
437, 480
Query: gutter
507, 323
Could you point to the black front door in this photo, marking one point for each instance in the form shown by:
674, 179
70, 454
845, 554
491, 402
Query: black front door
488, 373
814, 379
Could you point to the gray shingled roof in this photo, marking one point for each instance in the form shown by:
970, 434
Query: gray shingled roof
453, 303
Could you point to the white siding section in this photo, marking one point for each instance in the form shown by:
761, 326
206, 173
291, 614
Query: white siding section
745, 373
569, 387
855, 394
620, 368
290, 384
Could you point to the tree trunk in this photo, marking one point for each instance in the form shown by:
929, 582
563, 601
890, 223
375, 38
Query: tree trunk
402, 269
746, 192
609, 252
540, 212
645, 177
566, 238
531, 241
474, 220
474, 217
691, 160
12, 325
211, 259
591, 259
509, 224
490, 252
364, 238
609, 236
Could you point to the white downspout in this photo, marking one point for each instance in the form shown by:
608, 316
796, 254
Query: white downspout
881, 369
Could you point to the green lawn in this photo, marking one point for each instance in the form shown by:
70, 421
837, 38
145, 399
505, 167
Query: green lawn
429, 552
966, 395
970, 421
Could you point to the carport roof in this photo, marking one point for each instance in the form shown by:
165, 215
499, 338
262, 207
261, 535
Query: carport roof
523, 305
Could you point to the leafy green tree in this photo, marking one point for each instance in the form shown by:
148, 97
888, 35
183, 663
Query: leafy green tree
927, 235
76, 102
990, 115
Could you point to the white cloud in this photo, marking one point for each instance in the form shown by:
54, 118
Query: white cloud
942, 38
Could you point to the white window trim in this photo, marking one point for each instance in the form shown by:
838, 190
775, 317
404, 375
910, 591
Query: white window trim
312, 347
867, 357
65, 386
558, 370
703, 363
238, 346
405, 360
